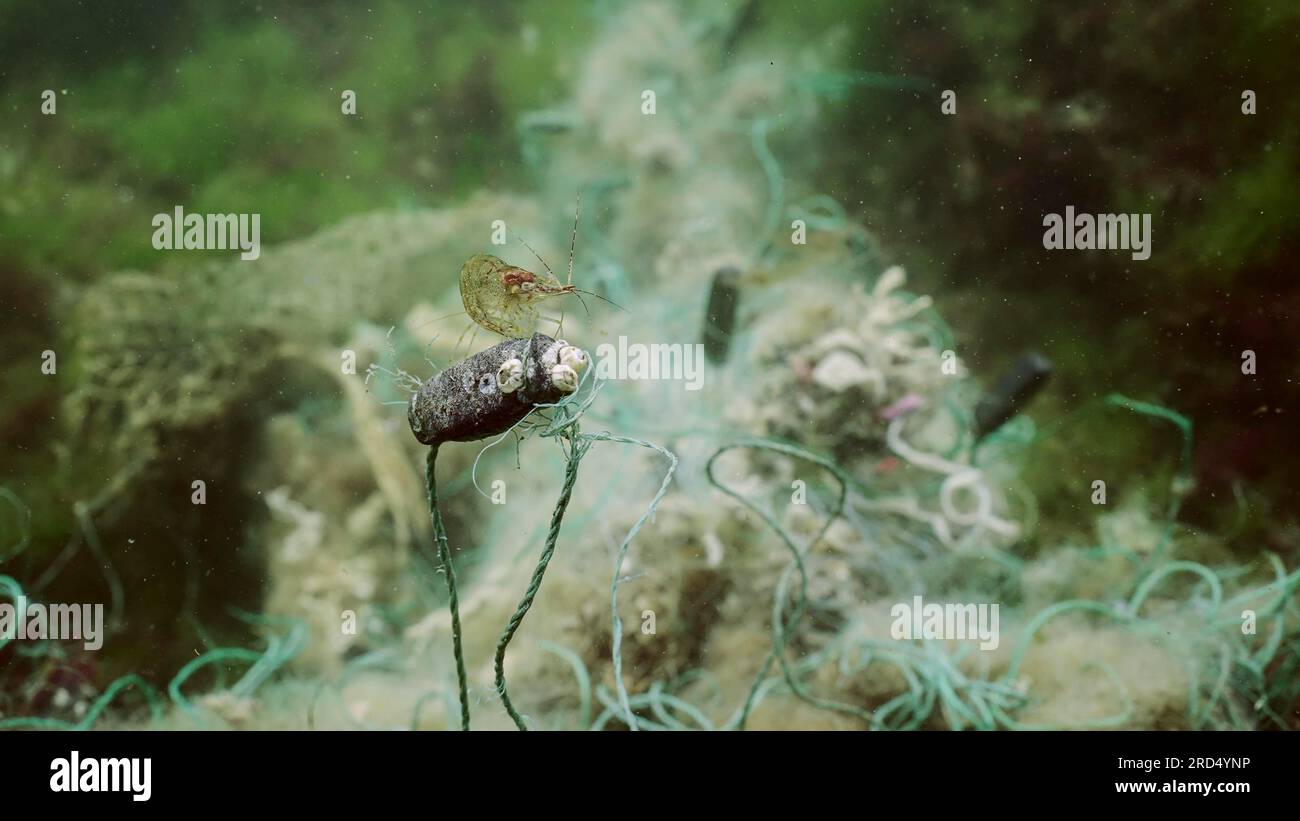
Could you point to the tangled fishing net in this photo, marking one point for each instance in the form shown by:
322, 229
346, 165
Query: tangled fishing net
660, 558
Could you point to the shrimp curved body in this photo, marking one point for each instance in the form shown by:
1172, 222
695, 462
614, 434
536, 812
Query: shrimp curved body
501, 297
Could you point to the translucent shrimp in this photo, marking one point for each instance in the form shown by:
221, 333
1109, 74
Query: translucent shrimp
503, 298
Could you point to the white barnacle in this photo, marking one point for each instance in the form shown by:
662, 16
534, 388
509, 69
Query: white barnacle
510, 376
575, 358
551, 356
565, 378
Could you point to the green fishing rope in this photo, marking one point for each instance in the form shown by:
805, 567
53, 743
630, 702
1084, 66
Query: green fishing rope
444, 558
564, 426
94, 712
211, 657
576, 451
782, 627
580, 673
775, 185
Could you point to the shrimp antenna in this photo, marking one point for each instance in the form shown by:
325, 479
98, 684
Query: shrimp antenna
583, 301
573, 243
439, 319
577, 291
539, 259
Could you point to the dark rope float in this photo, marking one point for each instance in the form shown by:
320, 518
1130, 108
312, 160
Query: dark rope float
720, 315
493, 390
487, 395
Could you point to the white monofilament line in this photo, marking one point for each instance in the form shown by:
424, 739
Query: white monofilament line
959, 476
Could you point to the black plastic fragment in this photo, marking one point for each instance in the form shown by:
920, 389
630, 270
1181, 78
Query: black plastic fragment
720, 316
1011, 392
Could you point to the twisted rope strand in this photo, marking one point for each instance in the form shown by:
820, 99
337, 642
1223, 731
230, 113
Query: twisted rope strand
444, 558
570, 477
